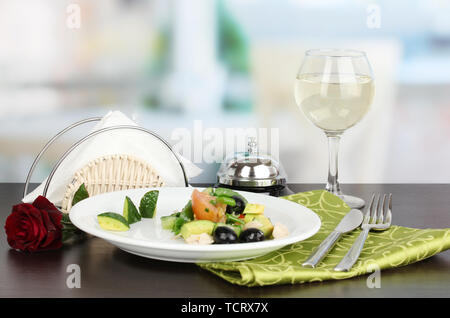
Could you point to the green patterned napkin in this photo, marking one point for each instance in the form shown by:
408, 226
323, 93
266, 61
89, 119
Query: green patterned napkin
395, 247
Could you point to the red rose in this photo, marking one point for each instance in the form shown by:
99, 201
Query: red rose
34, 227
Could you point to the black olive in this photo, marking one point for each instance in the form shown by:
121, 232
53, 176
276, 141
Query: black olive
252, 235
225, 235
238, 208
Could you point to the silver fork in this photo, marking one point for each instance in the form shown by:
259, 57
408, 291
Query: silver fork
377, 218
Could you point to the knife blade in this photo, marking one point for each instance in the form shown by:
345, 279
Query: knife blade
349, 222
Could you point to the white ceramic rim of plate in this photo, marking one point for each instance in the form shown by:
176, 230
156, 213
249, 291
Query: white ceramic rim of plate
194, 247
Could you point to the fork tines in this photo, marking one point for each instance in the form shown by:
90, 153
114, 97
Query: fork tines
379, 209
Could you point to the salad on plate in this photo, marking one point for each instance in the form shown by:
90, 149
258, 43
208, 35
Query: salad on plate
211, 216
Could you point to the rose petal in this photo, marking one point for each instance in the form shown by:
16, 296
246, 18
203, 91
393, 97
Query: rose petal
42, 203
51, 229
39, 230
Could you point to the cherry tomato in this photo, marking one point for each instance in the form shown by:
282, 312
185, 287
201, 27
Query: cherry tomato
205, 207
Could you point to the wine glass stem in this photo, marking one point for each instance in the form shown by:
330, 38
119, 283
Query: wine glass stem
333, 148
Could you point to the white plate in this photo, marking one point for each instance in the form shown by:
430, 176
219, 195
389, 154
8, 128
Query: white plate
146, 238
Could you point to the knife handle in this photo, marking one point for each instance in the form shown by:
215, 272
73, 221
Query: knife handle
319, 253
353, 253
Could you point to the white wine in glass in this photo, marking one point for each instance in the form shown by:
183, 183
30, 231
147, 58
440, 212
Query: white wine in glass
334, 89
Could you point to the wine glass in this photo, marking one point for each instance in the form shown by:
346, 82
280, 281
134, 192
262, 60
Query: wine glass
334, 88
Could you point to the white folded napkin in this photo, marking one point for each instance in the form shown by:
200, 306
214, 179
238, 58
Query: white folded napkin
122, 141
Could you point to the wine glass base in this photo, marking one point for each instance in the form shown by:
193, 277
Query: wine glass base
352, 201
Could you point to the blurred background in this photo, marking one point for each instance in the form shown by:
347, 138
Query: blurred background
228, 63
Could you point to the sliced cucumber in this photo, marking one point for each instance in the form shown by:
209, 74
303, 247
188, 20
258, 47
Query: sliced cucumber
267, 227
254, 208
113, 222
130, 212
197, 227
249, 217
167, 222
148, 204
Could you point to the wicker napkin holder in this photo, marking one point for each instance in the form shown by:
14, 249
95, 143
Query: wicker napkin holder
107, 173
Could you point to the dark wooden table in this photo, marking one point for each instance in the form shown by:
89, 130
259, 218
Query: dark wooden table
107, 271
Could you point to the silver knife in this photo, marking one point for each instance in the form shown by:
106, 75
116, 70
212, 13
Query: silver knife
349, 222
